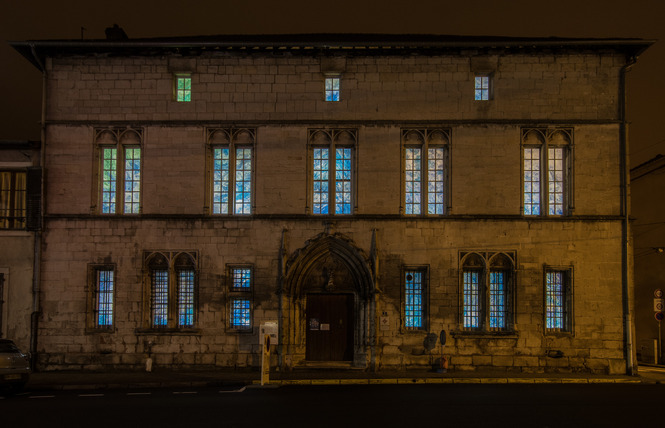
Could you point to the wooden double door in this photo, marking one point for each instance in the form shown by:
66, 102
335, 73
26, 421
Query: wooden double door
329, 327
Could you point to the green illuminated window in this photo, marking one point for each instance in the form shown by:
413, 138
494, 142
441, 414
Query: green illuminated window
183, 86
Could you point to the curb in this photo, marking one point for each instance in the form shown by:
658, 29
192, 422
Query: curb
412, 381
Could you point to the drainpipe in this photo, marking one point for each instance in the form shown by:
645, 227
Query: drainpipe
626, 277
36, 267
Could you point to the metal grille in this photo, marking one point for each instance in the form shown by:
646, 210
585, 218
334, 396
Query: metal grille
471, 303
555, 301
555, 180
241, 279
105, 285
332, 88
531, 181
243, 182
435, 180
12, 200
186, 298
497, 300
343, 181
132, 180
240, 313
414, 305
412, 181
160, 298
109, 177
220, 191
320, 183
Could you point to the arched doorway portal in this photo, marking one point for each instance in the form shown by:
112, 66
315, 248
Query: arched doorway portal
328, 303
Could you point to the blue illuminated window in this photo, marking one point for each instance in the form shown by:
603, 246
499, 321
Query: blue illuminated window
498, 302
324, 169
104, 297
487, 281
546, 155
332, 88
471, 303
415, 299
186, 298
425, 171
232, 180
557, 301
482, 88
240, 313
173, 289
240, 297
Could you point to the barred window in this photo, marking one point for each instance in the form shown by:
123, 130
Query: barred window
415, 298
558, 300
172, 289
240, 313
240, 293
425, 171
332, 171
119, 171
547, 187
101, 280
486, 301
186, 298
231, 173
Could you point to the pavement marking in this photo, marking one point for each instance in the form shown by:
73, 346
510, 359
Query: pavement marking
42, 396
91, 395
234, 391
185, 392
139, 393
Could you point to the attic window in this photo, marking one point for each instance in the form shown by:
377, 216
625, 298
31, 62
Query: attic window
332, 88
482, 87
183, 87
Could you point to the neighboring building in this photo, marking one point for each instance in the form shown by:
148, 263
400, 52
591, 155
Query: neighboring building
360, 190
648, 208
20, 221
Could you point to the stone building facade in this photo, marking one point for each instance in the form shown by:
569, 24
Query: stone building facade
20, 191
648, 209
361, 191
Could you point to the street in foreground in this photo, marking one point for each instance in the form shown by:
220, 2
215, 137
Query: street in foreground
534, 405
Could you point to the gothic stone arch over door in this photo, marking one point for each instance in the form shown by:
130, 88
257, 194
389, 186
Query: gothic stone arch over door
335, 277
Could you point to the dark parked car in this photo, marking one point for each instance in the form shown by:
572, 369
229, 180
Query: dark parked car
14, 366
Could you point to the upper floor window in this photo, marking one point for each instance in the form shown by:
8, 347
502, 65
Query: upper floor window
13, 188
231, 171
486, 291
547, 166
183, 87
240, 297
425, 171
415, 298
119, 190
558, 300
332, 170
482, 87
172, 289
332, 88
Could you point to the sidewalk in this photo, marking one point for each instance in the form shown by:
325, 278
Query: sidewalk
70, 380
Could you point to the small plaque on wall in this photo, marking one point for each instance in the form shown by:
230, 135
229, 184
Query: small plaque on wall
384, 322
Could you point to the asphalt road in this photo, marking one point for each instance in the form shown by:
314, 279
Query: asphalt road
535, 405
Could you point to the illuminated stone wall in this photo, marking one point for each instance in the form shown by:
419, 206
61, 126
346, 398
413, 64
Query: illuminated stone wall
281, 98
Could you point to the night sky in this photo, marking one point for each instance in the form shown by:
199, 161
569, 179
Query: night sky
20, 82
